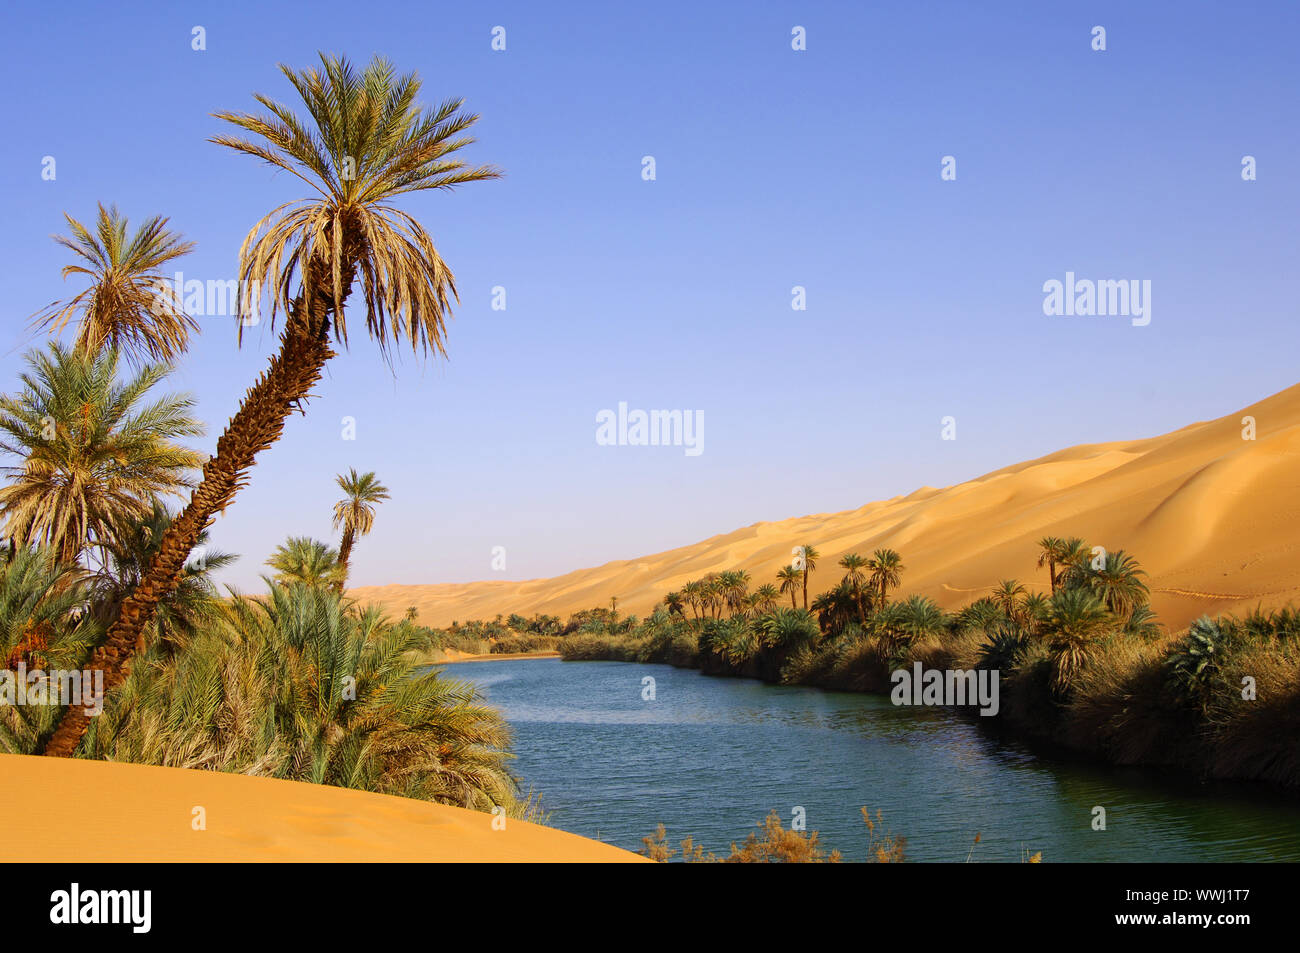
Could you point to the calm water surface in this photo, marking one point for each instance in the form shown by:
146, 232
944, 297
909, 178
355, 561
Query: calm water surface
711, 756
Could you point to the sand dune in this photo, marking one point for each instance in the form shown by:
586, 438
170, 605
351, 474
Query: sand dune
141, 813
1211, 516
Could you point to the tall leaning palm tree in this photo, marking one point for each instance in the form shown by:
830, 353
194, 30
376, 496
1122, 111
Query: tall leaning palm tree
355, 513
365, 142
129, 305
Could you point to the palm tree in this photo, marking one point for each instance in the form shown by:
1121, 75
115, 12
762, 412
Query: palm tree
836, 608
733, 587
712, 595
302, 561
296, 685
790, 578
129, 307
788, 630
92, 453
42, 625
1118, 584
673, 603
1051, 549
1008, 594
853, 564
1075, 562
1142, 623
886, 571
765, 597
809, 556
365, 143
693, 593
1076, 621
980, 616
355, 513
920, 617
1034, 608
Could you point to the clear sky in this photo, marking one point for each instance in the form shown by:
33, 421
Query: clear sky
774, 168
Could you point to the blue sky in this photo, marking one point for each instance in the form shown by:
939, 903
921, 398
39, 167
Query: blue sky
775, 168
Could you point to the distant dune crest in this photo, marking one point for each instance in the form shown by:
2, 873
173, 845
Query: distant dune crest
1210, 510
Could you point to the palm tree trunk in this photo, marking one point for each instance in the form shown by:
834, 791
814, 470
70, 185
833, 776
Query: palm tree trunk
258, 423
805, 588
345, 551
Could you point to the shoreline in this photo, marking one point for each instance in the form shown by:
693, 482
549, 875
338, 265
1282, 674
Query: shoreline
452, 657
500, 657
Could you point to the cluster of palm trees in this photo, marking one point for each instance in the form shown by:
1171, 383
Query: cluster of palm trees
1092, 594
868, 582
96, 455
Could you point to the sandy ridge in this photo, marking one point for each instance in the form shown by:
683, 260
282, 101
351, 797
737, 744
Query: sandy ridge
1211, 516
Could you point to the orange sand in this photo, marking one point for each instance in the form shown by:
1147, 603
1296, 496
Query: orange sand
139, 813
1211, 517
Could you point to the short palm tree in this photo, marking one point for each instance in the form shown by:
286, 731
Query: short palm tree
765, 597
788, 629
1034, 608
92, 452
297, 685
364, 143
808, 556
1008, 594
886, 572
919, 617
1076, 622
1074, 566
42, 626
355, 513
129, 306
836, 608
300, 560
674, 604
1142, 623
1119, 585
790, 579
